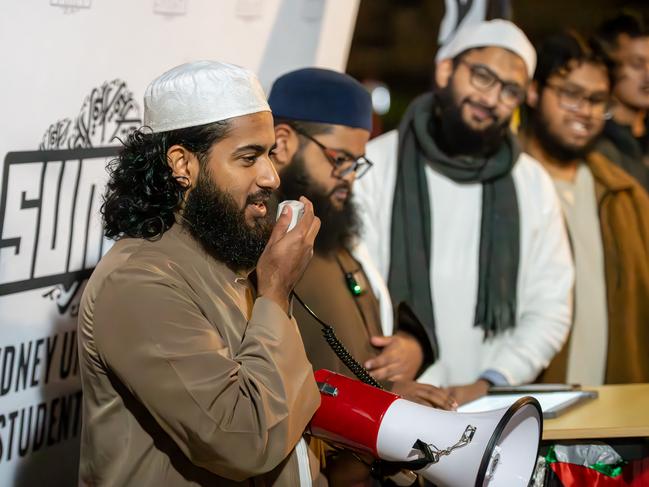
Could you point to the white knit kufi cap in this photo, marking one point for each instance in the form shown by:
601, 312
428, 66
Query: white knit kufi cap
201, 92
490, 33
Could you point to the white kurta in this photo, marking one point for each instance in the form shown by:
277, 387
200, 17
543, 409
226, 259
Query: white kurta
545, 277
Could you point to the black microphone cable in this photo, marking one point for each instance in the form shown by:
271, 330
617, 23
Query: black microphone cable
339, 349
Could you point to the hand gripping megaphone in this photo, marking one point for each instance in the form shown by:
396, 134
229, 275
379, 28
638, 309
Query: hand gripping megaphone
495, 448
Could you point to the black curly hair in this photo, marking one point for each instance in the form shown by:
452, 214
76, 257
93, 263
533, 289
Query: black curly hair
559, 53
142, 193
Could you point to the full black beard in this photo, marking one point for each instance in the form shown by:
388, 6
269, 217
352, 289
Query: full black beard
453, 136
339, 227
560, 151
219, 225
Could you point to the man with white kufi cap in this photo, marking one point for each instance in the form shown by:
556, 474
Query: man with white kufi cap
465, 227
192, 374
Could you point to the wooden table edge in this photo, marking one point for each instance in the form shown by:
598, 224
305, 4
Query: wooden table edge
590, 434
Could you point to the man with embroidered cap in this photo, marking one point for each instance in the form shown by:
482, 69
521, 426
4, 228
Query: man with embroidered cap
464, 226
192, 374
323, 121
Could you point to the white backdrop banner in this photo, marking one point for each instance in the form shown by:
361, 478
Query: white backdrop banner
74, 74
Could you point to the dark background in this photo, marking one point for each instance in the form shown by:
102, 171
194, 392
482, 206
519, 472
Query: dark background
395, 40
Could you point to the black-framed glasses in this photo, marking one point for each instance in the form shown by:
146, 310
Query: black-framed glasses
484, 79
343, 164
572, 99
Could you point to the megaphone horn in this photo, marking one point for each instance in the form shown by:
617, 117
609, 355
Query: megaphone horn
494, 448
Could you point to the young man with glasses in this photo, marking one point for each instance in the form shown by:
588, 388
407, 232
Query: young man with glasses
625, 140
322, 124
464, 226
606, 211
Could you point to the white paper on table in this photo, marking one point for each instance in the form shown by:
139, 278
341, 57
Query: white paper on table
552, 403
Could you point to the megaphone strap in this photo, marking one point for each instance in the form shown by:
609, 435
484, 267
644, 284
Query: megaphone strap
432, 454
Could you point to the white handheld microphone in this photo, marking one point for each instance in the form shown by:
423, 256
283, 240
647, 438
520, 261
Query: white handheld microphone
298, 211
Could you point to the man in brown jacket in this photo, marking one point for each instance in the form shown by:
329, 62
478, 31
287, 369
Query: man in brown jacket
191, 374
607, 214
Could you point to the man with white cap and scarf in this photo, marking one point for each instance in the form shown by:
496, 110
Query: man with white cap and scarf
192, 374
465, 227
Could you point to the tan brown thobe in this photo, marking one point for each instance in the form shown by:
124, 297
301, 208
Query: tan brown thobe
187, 379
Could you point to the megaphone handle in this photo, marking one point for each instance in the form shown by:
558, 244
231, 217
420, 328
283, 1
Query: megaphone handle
382, 470
429, 457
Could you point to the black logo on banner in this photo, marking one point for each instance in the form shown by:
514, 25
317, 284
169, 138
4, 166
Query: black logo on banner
50, 228
108, 112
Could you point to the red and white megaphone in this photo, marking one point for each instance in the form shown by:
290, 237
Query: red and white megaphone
496, 448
